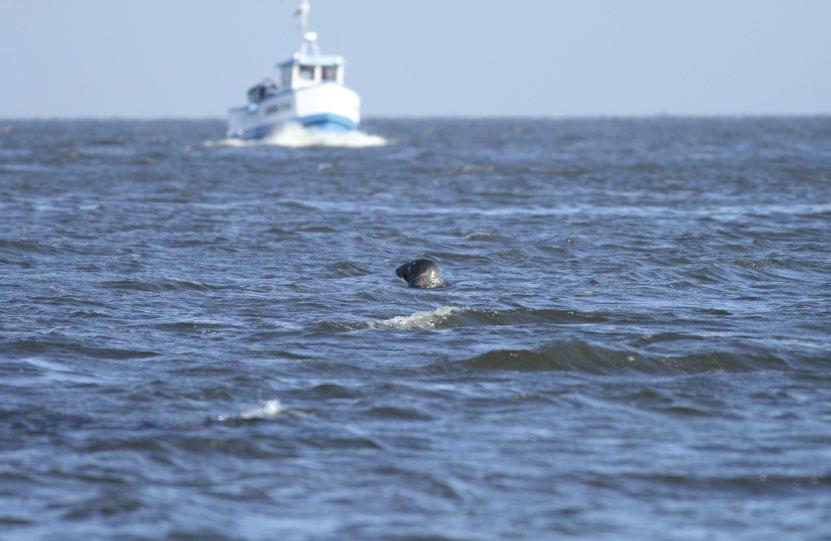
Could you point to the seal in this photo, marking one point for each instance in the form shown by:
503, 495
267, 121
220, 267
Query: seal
421, 274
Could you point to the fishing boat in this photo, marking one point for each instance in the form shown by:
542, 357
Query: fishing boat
310, 93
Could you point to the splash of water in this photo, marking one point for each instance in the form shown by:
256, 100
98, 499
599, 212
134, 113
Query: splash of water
296, 136
269, 409
420, 320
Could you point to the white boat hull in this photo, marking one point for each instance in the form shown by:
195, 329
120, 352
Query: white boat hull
328, 107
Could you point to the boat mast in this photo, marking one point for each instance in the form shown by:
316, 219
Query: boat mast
309, 38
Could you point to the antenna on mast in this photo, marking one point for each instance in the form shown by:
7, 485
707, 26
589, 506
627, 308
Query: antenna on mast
303, 12
309, 38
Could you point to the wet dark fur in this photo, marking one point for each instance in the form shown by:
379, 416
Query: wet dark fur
422, 274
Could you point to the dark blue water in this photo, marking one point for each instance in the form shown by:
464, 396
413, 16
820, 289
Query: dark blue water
201, 340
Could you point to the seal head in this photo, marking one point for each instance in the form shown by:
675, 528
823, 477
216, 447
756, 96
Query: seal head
421, 274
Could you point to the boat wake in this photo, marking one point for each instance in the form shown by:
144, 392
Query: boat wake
296, 136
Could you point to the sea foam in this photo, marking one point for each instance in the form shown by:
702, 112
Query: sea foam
427, 320
269, 409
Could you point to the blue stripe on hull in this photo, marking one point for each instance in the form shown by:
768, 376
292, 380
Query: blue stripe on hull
328, 122
324, 122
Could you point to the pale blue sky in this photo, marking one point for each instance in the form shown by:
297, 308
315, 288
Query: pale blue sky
196, 58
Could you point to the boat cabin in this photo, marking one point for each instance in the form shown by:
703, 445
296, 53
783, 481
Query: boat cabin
303, 70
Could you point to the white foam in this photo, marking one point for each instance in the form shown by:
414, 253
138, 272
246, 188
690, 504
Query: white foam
296, 136
270, 409
420, 320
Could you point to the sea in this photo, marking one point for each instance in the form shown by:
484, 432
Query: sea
204, 339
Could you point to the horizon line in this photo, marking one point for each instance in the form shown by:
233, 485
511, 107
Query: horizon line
598, 116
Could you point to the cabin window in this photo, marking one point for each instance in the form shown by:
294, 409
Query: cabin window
307, 73
330, 73
286, 76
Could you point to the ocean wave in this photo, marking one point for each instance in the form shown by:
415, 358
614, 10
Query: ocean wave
581, 357
37, 346
718, 213
296, 136
448, 317
158, 286
346, 269
29, 247
769, 482
427, 320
